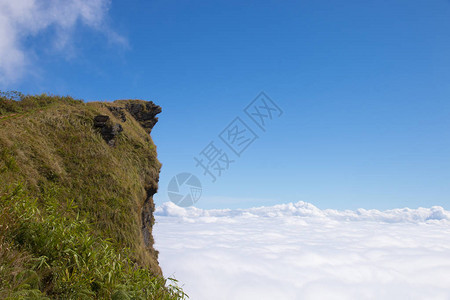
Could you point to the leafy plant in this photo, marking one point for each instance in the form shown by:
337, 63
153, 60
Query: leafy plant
52, 253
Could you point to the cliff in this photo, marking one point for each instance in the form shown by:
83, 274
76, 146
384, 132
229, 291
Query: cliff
77, 180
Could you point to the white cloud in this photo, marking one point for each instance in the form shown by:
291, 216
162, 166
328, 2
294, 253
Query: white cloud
21, 19
297, 251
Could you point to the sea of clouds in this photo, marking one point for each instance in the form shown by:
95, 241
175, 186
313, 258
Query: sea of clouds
298, 251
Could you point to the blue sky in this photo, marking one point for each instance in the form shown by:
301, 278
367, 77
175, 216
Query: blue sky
364, 88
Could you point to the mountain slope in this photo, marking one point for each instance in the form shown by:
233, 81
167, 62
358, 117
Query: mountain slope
88, 170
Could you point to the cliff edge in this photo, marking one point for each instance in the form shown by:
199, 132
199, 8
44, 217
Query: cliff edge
75, 179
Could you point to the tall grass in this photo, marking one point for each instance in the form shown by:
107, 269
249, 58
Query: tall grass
16, 102
52, 253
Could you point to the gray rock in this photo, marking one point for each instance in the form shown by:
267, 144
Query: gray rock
107, 129
118, 112
100, 121
144, 113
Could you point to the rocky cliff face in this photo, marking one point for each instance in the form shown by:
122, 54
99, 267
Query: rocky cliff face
144, 113
98, 155
76, 200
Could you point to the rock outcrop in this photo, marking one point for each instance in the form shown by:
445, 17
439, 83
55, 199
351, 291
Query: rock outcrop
108, 130
145, 114
118, 112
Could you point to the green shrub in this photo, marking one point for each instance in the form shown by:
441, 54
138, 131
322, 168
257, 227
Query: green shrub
53, 253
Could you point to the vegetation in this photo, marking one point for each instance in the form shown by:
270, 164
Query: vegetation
16, 102
70, 204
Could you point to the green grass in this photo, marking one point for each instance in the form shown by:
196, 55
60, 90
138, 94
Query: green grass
16, 102
70, 205
46, 252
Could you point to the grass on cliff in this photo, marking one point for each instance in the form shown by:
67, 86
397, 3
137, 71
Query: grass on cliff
47, 253
70, 205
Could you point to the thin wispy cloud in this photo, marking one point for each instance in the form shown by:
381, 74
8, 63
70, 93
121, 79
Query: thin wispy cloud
24, 19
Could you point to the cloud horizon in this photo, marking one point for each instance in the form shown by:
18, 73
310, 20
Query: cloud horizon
297, 251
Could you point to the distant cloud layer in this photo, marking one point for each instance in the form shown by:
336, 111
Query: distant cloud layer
22, 19
298, 251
